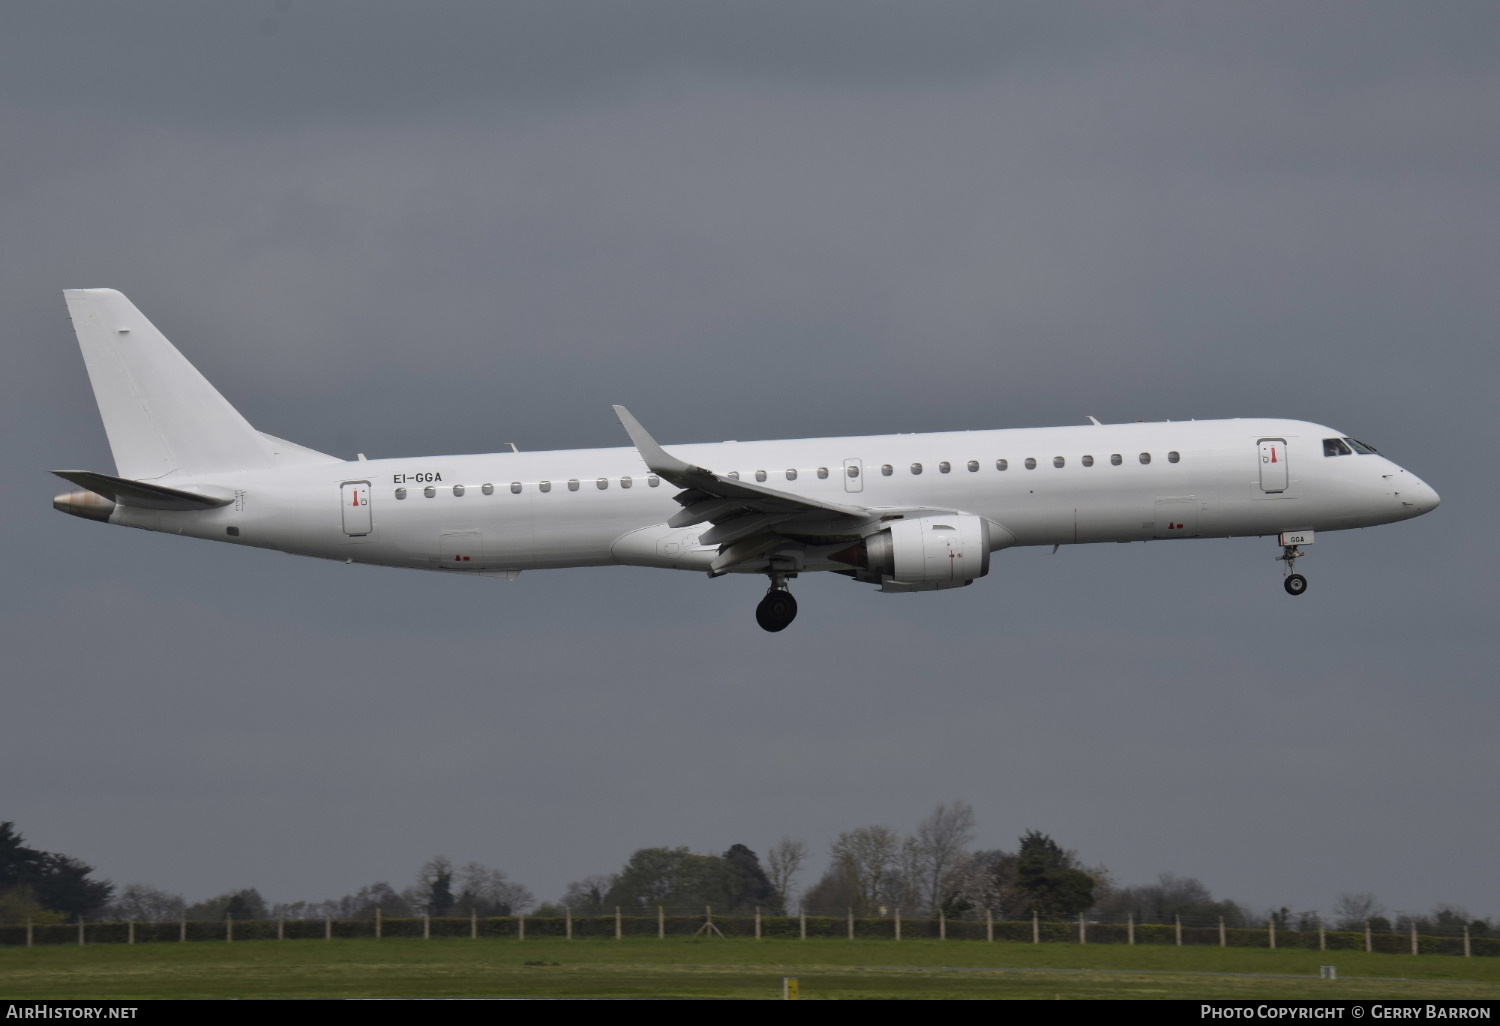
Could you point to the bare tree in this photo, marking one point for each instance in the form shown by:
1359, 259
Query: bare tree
784, 861
586, 896
942, 838
143, 904
866, 858
1352, 910
489, 891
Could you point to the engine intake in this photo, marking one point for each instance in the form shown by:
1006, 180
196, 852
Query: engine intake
923, 554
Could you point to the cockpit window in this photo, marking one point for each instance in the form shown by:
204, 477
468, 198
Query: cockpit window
1335, 447
1361, 447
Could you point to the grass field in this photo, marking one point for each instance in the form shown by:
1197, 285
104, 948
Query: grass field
703, 968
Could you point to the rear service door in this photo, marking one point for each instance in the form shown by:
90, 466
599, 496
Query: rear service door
356, 498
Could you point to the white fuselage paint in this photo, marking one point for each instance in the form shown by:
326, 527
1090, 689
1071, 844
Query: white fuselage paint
1216, 488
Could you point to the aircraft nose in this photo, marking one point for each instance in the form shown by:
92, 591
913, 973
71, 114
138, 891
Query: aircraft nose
1421, 496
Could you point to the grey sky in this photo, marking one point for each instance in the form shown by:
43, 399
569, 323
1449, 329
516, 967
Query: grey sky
404, 229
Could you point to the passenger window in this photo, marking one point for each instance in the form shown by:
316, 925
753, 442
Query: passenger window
822, 472
602, 483
487, 489
400, 493
1002, 464
1336, 447
1115, 460
1058, 461
652, 480
458, 490
1088, 461
852, 470
791, 474
429, 491
887, 470
944, 467
916, 468
1145, 458
544, 486
1174, 456
572, 484
760, 475
733, 475
625, 482
1030, 463
515, 488
973, 466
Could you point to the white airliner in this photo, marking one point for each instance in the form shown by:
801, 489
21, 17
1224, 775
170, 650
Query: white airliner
903, 512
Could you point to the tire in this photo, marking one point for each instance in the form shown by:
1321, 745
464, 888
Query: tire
776, 611
1295, 584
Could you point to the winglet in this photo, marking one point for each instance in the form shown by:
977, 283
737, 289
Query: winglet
657, 458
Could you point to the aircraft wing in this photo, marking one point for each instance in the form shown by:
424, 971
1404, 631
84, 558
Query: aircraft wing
749, 520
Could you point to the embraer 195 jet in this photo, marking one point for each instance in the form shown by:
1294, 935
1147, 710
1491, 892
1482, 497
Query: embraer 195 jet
902, 512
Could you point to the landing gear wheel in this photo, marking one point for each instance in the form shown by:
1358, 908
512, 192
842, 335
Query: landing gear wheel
776, 611
1295, 584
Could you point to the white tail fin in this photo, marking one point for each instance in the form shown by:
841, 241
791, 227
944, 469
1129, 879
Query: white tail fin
161, 415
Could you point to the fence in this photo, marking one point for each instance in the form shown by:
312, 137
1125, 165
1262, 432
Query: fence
807, 924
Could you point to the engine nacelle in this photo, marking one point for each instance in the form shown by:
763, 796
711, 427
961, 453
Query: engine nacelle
923, 554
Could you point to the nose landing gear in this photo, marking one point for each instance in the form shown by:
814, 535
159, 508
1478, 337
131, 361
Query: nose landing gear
778, 609
1295, 584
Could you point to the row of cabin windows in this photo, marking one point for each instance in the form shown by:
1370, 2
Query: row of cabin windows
1057, 461
652, 481
886, 470
945, 467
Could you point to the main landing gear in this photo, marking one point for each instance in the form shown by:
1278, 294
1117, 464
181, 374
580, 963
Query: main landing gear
778, 609
1295, 584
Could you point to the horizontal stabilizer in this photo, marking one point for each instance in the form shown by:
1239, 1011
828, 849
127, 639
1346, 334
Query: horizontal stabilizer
144, 495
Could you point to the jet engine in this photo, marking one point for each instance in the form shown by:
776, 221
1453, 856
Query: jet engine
922, 554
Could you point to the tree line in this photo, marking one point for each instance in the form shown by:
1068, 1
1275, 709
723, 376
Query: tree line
871, 871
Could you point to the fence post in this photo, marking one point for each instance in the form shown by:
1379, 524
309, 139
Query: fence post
1466, 940
1271, 931
757, 922
619, 925
473, 922
568, 920
802, 921
28, 933
942, 925
426, 926
661, 923
1082, 937
989, 925
1223, 937
1369, 941
521, 924
1177, 921
1130, 928
281, 928
328, 926
1322, 936
379, 923
898, 924
131, 926
1414, 937
1036, 929
228, 928
851, 923
80, 931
